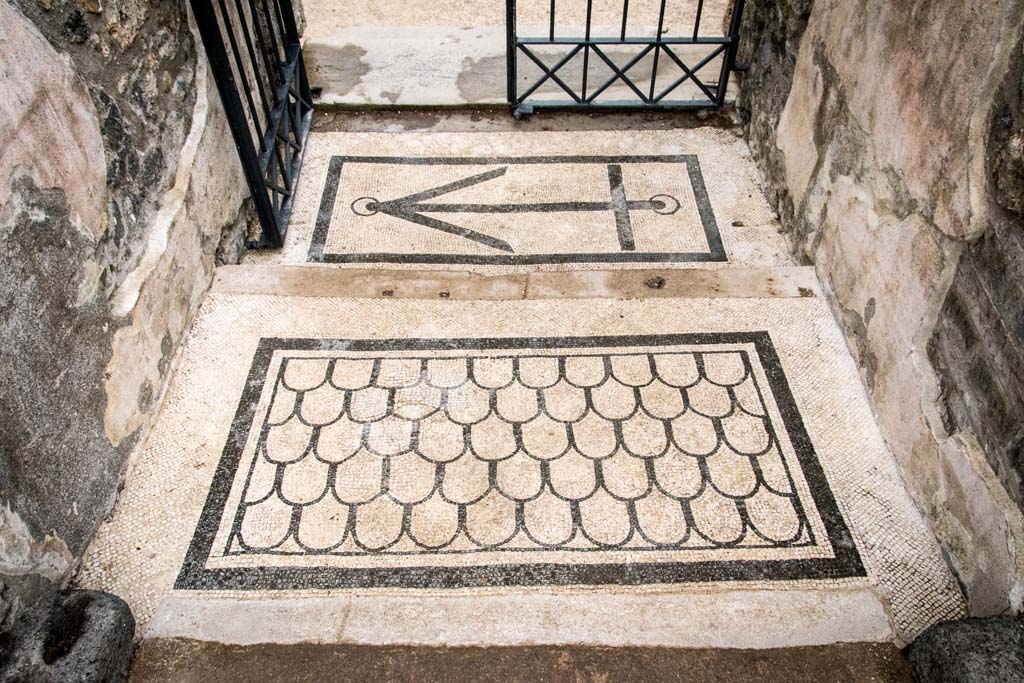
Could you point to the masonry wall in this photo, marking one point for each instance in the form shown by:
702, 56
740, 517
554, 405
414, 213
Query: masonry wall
119, 190
891, 140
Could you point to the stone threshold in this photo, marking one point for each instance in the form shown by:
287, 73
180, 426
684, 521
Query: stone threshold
698, 618
497, 118
310, 281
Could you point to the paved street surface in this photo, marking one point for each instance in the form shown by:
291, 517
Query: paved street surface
454, 52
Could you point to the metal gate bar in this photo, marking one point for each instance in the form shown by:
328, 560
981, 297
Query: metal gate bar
261, 57
663, 48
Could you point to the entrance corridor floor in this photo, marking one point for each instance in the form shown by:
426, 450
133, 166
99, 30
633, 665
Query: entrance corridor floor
511, 388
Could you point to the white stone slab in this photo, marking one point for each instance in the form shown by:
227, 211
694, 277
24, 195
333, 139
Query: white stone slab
727, 619
791, 281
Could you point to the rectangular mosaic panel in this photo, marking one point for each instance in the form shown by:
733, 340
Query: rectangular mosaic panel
515, 211
498, 462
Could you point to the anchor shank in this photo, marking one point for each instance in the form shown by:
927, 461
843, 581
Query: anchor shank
539, 207
620, 206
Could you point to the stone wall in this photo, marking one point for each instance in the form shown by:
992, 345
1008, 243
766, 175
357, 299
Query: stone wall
118, 178
889, 137
978, 344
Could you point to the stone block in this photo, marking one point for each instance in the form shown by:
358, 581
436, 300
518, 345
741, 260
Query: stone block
970, 651
69, 636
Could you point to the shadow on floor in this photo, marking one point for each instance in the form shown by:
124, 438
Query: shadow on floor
185, 661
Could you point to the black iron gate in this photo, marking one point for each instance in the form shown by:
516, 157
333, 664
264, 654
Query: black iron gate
254, 52
635, 67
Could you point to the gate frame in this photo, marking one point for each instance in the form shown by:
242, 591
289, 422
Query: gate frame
514, 44
271, 169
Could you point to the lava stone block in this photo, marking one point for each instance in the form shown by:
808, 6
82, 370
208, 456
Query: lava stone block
977, 650
69, 636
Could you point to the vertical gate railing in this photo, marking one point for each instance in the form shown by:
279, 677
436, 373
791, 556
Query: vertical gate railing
644, 91
254, 53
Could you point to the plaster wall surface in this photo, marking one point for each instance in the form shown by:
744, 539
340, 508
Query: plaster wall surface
117, 178
884, 132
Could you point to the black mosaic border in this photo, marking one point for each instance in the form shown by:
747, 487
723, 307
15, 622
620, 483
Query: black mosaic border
194, 574
716, 249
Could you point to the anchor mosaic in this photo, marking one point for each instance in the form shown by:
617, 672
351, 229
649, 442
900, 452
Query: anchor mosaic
599, 209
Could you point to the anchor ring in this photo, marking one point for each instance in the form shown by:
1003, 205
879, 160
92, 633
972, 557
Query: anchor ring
365, 206
667, 208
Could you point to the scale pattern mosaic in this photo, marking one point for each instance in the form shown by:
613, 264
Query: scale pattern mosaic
555, 460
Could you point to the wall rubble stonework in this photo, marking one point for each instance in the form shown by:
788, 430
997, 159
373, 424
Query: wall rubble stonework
889, 138
118, 177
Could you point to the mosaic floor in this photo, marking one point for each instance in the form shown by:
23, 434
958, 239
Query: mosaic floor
657, 452
497, 202
555, 447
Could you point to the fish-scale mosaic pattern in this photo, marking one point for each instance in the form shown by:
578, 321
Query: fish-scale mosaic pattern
403, 455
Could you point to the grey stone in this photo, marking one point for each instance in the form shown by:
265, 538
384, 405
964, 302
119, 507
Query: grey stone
8, 607
76, 30
977, 347
987, 650
1006, 138
231, 247
57, 389
69, 636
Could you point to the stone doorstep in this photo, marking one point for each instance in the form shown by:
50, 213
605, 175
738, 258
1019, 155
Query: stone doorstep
311, 281
713, 618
